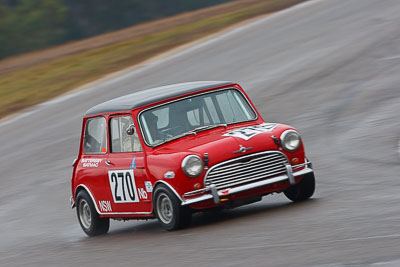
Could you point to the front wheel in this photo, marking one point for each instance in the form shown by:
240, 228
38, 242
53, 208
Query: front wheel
88, 217
170, 214
303, 190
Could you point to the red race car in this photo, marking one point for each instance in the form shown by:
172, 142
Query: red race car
170, 151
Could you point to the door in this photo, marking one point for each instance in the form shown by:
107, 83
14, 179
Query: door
130, 191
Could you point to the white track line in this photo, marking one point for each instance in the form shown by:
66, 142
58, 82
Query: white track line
390, 58
398, 148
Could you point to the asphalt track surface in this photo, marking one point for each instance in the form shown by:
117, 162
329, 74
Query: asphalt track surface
329, 68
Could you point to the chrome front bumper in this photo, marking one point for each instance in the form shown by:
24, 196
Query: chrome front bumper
213, 193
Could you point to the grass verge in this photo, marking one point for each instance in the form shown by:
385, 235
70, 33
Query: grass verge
29, 86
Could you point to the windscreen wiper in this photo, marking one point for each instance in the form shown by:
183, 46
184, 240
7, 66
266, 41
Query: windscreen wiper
193, 131
208, 127
178, 136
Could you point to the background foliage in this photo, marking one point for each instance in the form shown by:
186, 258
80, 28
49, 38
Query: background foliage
27, 25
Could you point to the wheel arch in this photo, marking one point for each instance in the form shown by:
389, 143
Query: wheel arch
159, 182
81, 187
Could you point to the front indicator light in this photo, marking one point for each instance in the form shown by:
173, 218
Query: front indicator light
295, 161
197, 186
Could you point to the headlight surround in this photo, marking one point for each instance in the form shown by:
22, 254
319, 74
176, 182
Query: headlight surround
192, 165
290, 140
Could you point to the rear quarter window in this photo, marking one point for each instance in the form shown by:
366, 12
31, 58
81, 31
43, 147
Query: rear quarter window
95, 139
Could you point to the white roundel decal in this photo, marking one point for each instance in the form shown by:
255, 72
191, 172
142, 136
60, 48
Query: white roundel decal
250, 131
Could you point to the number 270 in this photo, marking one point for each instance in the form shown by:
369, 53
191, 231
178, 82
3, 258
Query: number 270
123, 187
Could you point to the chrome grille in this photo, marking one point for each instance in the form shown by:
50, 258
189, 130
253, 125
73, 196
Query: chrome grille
246, 169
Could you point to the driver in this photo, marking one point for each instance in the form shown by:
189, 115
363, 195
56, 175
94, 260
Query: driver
179, 116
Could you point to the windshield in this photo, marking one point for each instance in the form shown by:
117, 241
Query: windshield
197, 113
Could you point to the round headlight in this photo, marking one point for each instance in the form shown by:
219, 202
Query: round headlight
290, 140
192, 166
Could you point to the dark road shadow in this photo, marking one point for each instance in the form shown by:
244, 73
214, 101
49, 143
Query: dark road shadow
252, 211
209, 218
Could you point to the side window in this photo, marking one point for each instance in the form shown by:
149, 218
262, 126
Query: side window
233, 107
198, 117
211, 110
193, 117
226, 107
95, 139
120, 140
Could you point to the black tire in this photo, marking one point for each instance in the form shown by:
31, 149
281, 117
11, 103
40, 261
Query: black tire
303, 190
88, 217
168, 210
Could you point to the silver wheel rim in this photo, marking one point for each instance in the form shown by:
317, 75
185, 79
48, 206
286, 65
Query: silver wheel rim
165, 210
85, 213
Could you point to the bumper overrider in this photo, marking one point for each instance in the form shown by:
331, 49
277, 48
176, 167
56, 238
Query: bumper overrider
211, 191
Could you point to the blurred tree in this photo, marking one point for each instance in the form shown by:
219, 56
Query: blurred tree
27, 25
91, 17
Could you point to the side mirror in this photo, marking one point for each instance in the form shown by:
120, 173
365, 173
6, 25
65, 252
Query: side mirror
130, 130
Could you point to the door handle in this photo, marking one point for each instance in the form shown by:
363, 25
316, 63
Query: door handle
108, 162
